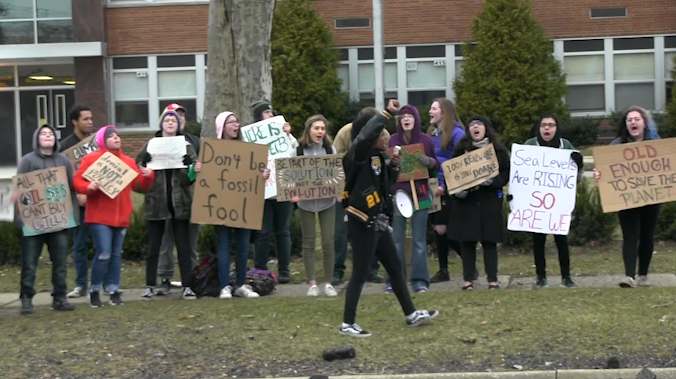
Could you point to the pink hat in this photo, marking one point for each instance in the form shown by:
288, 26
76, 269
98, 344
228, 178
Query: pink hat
101, 136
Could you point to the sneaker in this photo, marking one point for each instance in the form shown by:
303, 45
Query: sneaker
541, 283
246, 291
95, 299
148, 294
568, 282
26, 305
313, 291
628, 282
330, 291
188, 294
226, 292
116, 298
77, 292
421, 289
375, 277
441, 276
389, 289
421, 317
165, 287
337, 279
283, 278
353, 330
643, 281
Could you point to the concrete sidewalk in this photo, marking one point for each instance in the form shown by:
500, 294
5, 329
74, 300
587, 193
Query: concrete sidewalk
8, 300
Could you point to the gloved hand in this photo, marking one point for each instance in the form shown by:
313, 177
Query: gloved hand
425, 161
187, 160
577, 158
382, 223
145, 158
488, 182
461, 194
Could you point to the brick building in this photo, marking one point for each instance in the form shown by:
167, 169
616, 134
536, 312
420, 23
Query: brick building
128, 59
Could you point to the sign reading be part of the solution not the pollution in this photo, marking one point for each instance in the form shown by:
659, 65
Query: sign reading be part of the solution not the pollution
470, 169
230, 189
44, 201
543, 183
310, 177
636, 174
112, 173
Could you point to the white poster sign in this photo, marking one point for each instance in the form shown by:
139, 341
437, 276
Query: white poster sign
543, 184
167, 152
270, 132
6, 205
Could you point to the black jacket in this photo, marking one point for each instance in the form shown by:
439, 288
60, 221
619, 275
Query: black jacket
369, 176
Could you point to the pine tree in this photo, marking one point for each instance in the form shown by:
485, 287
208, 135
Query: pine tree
304, 65
510, 75
671, 106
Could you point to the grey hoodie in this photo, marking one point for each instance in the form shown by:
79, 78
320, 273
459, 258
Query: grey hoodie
37, 161
317, 205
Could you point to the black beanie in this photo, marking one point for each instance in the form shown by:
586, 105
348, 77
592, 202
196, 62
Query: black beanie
109, 132
260, 107
483, 120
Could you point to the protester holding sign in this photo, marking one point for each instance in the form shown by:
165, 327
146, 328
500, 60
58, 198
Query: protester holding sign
229, 128
638, 224
169, 199
108, 218
476, 214
368, 204
276, 215
409, 132
446, 131
45, 155
548, 134
315, 141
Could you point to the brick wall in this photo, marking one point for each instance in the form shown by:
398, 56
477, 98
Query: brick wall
132, 142
174, 29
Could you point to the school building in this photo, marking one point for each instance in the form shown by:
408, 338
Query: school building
128, 59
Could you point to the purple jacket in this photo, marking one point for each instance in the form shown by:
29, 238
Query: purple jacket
444, 155
417, 136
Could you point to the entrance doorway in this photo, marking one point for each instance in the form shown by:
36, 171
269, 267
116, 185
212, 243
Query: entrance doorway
45, 106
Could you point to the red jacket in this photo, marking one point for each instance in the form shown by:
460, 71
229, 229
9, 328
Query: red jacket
100, 208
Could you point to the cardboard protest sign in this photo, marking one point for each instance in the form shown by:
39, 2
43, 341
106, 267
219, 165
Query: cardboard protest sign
436, 200
112, 173
44, 201
270, 132
470, 169
230, 189
636, 174
78, 152
166, 152
543, 183
410, 168
310, 177
6, 205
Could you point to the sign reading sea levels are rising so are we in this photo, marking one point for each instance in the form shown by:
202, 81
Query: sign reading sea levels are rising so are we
636, 174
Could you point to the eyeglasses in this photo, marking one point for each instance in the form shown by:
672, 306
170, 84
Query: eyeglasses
404, 116
548, 124
635, 119
476, 123
232, 123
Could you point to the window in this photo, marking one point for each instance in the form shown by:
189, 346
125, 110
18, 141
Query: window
607, 12
344, 75
436, 51
131, 92
367, 77
634, 66
669, 64
6, 76
7, 127
35, 21
634, 76
45, 75
578, 46
584, 69
635, 94
458, 67
425, 75
352, 23
586, 98
639, 43
424, 98
177, 83
368, 99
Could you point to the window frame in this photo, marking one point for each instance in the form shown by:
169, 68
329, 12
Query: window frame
35, 19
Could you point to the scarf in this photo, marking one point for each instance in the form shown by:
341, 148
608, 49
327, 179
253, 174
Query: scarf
479, 144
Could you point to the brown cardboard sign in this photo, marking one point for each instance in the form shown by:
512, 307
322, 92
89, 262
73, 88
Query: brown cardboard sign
310, 177
44, 201
112, 173
230, 188
636, 174
409, 167
470, 169
77, 153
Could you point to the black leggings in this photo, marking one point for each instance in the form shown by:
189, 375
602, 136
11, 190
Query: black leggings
638, 235
490, 260
156, 230
365, 243
443, 244
539, 252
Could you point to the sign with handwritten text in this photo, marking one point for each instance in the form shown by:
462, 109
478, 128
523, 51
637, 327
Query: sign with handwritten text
470, 169
230, 189
6, 205
543, 183
270, 132
44, 201
310, 177
78, 152
166, 152
112, 173
636, 174
410, 168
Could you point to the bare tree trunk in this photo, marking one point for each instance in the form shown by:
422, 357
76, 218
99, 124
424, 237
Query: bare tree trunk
239, 70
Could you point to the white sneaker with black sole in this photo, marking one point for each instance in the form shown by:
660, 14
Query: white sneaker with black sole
246, 291
77, 292
148, 294
353, 330
421, 317
188, 294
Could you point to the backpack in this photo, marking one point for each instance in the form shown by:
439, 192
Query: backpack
205, 278
262, 282
300, 152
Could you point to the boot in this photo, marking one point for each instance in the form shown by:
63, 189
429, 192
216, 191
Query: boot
26, 305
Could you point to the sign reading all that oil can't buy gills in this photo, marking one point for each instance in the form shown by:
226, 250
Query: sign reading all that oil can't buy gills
636, 174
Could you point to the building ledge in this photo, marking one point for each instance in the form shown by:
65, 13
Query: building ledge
53, 50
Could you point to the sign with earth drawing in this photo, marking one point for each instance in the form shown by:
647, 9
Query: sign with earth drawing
410, 168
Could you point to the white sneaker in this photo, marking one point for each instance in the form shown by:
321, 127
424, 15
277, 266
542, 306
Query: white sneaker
643, 281
148, 293
77, 292
628, 282
188, 294
313, 291
246, 291
226, 292
330, 291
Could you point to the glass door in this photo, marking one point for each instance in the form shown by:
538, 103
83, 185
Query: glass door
39, 107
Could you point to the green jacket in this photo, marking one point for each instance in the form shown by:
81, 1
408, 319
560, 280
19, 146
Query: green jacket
156, 199
565, 144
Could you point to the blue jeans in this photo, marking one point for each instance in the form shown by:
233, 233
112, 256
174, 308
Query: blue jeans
241, 253
80, 251
107, 262
277, 220
420, 274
